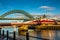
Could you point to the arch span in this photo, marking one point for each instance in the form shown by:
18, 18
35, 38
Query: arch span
17, 11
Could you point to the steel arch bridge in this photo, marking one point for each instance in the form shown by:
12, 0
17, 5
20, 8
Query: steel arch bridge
16, 11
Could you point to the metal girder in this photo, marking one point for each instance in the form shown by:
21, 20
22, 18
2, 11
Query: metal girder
17, 11
14, 19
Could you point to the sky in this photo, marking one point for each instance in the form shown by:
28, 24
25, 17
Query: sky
31, 6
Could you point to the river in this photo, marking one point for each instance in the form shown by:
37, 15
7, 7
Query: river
48, 34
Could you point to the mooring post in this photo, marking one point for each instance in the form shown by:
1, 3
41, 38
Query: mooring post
7, 35
27, 36
14, 35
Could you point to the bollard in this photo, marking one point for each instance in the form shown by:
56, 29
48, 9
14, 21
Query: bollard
7, 35
27, 36
14, 35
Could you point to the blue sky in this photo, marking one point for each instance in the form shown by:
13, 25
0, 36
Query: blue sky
31, 6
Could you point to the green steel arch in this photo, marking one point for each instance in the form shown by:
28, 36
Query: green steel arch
17, 11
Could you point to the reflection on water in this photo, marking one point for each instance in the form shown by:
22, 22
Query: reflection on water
49, 34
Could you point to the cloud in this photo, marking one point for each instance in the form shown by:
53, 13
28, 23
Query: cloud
47, 7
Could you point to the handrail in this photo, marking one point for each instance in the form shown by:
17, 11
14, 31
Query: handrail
14, 36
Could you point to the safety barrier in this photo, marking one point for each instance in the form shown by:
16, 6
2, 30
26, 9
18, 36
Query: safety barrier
3, 35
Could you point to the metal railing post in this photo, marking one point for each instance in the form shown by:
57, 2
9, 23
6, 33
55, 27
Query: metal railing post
7, 35
27, 36
3, 34
0, 31
14, 35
